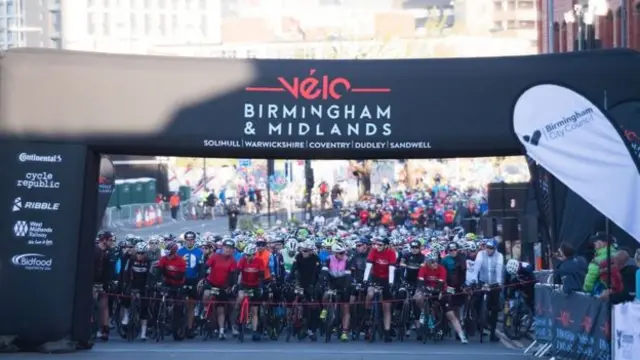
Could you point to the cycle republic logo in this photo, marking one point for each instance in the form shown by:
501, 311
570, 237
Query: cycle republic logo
318, 105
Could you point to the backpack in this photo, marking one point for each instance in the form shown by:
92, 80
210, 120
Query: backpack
323, 188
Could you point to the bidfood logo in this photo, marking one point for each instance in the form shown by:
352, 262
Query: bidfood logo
39, 180
26, 157
19, 204
33, 262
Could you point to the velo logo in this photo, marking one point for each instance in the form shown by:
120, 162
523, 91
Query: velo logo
315, 87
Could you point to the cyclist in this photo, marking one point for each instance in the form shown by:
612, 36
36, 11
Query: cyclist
381, 267
102, 275
520, 276
336, 274
304, 272
252, 269
411, 263
193, 257
431, 275
489, 266
289, 254
455, 264
135, 276
222, 275
264, 254
276, 261
172, 267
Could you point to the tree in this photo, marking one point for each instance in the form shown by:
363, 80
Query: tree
362, 170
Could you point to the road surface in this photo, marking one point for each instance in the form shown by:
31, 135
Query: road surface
267, 350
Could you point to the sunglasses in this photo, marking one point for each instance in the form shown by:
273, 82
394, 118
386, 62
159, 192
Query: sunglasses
415, 248
305, 250
359, 245
490, 248
340, 253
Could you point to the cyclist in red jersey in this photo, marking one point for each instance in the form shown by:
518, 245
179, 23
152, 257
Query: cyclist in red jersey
381, 265
172, 267
222, 270
252, 269
433, 275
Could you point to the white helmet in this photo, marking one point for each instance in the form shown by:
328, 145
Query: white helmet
337, 247
141, 247
291, 245
250, 249
307, 245
513, 266
432, 256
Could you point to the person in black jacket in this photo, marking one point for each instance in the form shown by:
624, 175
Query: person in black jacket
571, 270
233, 211
628, 268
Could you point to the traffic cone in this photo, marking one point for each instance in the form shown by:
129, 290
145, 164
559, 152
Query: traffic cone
152, 214
147, 218
138, 219
158, 215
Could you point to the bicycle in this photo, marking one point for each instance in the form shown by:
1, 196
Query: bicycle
209, 315
244, 318
358, 312
96, 313
133, 328
405, 313
179, 314
333, 313
470, 316
161, 314
432, 317
483, 317
518, 317
269, 319
375, 321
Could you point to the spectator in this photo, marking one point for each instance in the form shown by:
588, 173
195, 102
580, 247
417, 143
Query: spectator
210, 203
324, 194
174, 204
638, 258
571, 270
627, 271
601, 242
336, 195
233, 212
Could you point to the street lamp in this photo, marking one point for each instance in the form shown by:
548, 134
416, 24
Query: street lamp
584, 14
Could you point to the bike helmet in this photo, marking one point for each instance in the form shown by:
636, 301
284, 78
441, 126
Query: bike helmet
141, 247
452, 246
431, 257
415, 244
172, 247
291, 245
105, 236
307, 245
190, 235
513, 266
250, 250
338, 248
229, 243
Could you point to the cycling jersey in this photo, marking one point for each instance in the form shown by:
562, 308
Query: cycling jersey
276, 266
136, 273
381, 261
193, 258
265, 256
472, 275
431, 277
288, 260
221, 267
251, 271
337, 267
173, 269
306, 270
412, 263
358, 263
455, 270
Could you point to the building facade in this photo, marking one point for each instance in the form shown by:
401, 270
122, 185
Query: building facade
604, 32
29, 23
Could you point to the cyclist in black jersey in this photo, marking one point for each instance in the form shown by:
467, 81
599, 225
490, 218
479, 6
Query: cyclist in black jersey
135, 276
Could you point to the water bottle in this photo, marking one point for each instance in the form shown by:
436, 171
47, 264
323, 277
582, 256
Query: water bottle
422, 319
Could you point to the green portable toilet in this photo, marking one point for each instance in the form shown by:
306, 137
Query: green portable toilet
113, 199
124, 191
137, 191
149, 190
185, 193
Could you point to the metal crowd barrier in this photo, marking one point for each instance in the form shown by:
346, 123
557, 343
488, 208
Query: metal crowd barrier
143, 215
570, 326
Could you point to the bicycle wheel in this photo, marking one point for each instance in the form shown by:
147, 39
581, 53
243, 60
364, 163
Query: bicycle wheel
178, 322
160, 321
470, 321
328, 322
375, 323
483, 319
291, 318
243, 319
404, 320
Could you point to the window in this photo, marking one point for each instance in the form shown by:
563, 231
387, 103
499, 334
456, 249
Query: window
526, 5
133, 23
162, 26
91, 3
107, 4
512, 24
55, 22
497, 5
91, 23
162, 4
147, 4
175, 4
148, 24
175, 24
527, 24
106, 23
204, 25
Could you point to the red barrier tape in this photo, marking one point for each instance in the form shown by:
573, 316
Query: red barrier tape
282, 303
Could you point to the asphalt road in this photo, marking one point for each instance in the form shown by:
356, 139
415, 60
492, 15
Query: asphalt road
267, 350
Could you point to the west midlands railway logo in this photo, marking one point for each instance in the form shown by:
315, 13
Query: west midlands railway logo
21, 228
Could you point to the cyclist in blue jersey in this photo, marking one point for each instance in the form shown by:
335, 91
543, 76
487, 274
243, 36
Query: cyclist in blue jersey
194, 258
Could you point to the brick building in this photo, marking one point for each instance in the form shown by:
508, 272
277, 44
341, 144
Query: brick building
605, 29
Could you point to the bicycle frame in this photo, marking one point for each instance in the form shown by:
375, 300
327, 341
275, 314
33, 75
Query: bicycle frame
210, 313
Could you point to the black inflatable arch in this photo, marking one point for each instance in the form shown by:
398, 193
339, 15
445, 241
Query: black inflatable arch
59, 110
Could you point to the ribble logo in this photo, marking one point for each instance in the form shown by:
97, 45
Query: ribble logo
564, 318
314, 87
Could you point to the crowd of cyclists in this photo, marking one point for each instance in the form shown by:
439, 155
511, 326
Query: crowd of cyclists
355, 276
